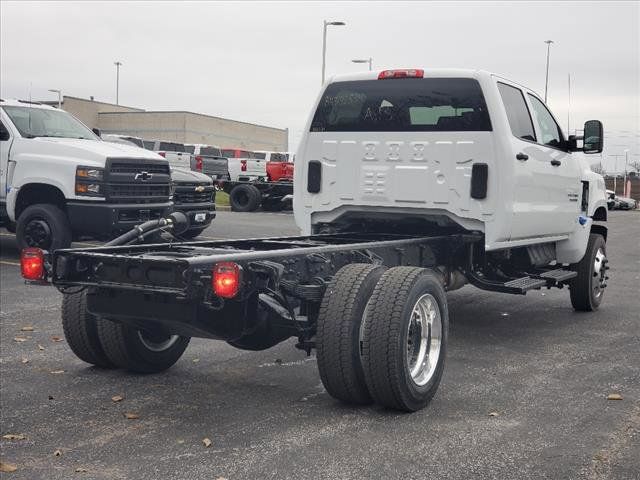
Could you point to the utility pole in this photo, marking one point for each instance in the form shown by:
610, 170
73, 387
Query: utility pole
546, 82
615, 172
569, 105
324, 42
117, 64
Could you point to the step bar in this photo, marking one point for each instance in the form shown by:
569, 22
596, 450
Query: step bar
521, 285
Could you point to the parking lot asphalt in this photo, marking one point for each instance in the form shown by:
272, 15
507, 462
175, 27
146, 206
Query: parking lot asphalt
524, 394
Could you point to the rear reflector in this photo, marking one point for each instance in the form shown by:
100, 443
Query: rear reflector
32, 264
226, 279
401, 73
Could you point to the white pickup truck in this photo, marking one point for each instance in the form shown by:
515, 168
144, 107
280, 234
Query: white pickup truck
408, 184
245, 166
60, 181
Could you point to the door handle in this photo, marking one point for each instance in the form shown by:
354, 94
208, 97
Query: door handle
556, 163
522, 156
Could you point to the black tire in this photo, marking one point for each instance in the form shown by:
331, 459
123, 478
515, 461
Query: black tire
387, 338
81, 331
272, 205
44, 226
192, 233
125, 347
245, 198
587, 290
338, 337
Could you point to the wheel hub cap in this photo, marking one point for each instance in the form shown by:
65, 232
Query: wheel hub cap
424, 339
37, 234
600, 268
157, 342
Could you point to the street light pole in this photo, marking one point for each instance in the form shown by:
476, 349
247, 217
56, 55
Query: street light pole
364, 60
324, 43
615, 172
117, 64
59, 97
546, 82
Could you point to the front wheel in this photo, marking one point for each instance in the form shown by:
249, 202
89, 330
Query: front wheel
44, 226
587, 289
405, 338
141, 351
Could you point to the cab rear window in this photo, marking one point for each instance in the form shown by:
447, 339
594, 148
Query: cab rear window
408, 104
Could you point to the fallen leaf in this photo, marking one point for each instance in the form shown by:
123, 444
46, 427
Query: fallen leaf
56, 372
180, 442
50, 397
117, 398
196, 360
19, 339
27, 328
40, 347
614, 396
493, 414
14, 436
131, 416
57, 453
25, 360
81, 470
55, 338
206, 442
7, 467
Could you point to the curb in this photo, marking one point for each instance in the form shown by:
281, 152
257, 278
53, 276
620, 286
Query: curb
223, 208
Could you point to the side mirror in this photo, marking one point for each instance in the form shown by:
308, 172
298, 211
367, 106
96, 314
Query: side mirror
96, 131
593, 137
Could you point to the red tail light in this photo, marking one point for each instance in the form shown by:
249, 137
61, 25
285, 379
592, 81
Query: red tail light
162, 154
199, 163
32, 264
226, 279
243, 165
401, 73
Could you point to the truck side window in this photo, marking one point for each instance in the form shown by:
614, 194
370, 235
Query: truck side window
4, 133
549, 129
517, 112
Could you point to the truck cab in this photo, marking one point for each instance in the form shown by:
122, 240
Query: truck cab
420, 149
60, 181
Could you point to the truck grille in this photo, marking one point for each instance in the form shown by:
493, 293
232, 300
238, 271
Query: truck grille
133, 168
186, 193
137, 181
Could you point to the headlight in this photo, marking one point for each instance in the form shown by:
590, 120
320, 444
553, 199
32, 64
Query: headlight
89, 181
90, 173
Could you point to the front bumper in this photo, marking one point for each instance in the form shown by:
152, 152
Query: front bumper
200, 214
103, 220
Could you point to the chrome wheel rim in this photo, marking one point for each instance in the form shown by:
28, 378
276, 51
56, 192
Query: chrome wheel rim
599, 273
157, 342
424, 339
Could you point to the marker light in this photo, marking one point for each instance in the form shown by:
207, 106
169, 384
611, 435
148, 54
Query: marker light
401, 73
32, 264
226, 279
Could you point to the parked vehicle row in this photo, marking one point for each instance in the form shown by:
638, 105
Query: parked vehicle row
60, 181
614, 202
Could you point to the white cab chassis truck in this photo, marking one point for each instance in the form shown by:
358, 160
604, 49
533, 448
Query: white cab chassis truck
408, 184
60, 181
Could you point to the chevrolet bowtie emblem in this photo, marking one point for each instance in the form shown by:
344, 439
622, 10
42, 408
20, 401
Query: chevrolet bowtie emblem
143, 176
199, 188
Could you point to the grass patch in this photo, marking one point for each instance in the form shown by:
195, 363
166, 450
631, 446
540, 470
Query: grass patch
222, 198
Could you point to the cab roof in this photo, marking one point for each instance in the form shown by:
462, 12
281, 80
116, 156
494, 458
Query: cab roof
428, 73
25, 103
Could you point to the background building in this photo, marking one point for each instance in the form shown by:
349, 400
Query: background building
183, 127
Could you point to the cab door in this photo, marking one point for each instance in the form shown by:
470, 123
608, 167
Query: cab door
561, 174
5, 144
542, 172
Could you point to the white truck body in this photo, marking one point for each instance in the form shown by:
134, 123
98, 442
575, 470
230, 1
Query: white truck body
245, 166
415, 173
41, 167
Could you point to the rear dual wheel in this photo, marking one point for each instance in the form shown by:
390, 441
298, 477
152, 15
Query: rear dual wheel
107, 344
382, 336
245, 198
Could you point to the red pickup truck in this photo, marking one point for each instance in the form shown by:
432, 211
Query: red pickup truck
279, 166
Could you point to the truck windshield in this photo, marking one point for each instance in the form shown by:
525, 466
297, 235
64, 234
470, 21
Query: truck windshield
40, 122
398, 105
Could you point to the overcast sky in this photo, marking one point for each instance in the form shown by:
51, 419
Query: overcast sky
261, 62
